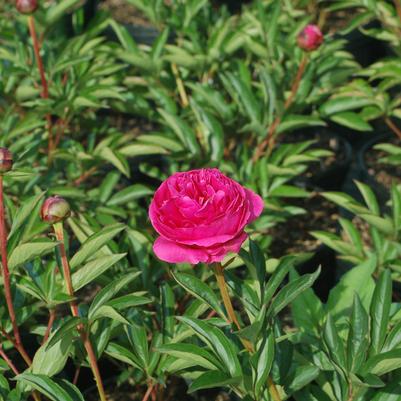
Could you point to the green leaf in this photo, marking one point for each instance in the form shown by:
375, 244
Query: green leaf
68, 326
358, 280
50, 359
54, 389
24, 213
290, 291
358, 336
129, 194
110, 290
122, 354
351, 120
116, 159
334, 342
183, 131
292, 122
94, 243
277, 278
55, 12
307, 309
139, 342
109, 312
93, 269
383, 363
369, 197
265, 357
199, 289
24, 253
217, 341
385, 225
212, 379
141, 149
380, 312
191, 353
344, 104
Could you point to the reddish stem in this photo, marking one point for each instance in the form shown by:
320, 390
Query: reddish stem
45, 87
76, 375
393, 127
52, 316
148, 392
270, 137
6, 277
58, 230
8, 361
85, 176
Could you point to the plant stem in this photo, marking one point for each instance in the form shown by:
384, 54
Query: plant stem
45, 87
393, 127
148, 392
219, 273
52, 316
397, 5
6, 277
270, 137
8, 361
180, 86
58, 230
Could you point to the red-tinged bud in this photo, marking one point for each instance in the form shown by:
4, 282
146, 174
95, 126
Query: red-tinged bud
54, 210
27, 6
310, 38
6, 160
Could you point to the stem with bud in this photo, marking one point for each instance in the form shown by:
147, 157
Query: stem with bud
59, 232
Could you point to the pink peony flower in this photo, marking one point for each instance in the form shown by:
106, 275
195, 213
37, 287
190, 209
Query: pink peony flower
200, 216
310, 38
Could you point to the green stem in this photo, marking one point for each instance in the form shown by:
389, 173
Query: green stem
221, 282
58, 230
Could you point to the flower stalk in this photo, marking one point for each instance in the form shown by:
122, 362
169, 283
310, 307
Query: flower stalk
270, 137
7, 282
45, 87
59, 232
221, 282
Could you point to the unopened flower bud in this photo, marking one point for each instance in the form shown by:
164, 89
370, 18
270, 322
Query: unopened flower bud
6, 160
310, 38
27, 6
54, 210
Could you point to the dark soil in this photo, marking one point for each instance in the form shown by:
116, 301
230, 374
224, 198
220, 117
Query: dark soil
124, 13
176, 391
329, 172
385, 174
293, 235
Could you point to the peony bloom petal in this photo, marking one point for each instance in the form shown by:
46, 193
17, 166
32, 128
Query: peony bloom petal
173, 252
257, 205
200, 216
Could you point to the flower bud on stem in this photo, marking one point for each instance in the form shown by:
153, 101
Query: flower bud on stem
59, 232
221, 282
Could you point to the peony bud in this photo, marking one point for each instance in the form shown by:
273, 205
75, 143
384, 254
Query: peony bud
6, 160
54, 210
27, 6
310, 38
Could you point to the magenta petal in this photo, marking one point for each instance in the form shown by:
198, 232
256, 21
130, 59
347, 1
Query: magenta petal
256, 205
173, 252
